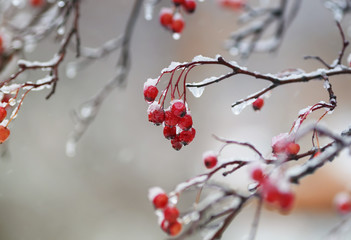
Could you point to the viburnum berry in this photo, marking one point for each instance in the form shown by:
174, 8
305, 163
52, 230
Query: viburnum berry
156, 114
36, 3
160, 200
178, 108
292, 148
178, 2
174, 228
3, 113
166, 17
258, 104
257, 174
169, 132
187, 137
186, 122
342, 202
150, 93
171, 119
210, 159
177, 23
171, 214
176, 143
4, 134
189, 6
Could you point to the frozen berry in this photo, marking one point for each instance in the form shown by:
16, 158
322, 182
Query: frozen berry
156, 114
166, 17
4, 134
178, 2
270, 192
292, 148
258, 104
160, 201
210, 160
174, 228
177, 23
186, 122
3, 113
150, 93
176, 144
36, 3
170, 119
187, 137
234, 4
189, 6
286, 200
169, 132
171, 214
178, 109
342, 202
257, 174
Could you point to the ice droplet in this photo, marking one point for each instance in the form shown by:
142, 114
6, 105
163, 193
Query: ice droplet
176, 36
197, 91
148, 11
241, 106
71, 70
71, 148
61, 31
61, 4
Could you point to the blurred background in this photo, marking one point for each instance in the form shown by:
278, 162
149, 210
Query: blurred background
101, 193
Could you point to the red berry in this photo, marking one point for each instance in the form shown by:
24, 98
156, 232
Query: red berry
160, 201
4, 134
210, 160
169, 132
156, 114
177, 23
342, 202
171, 214
150, 93
258, 104
178, 2
292, 148
174, 228
176, 144
189, 6
166, 17
187, 137
36, 3
286, 200
6, 98
235, 4
178, 109
170, 119
257, 174
186, 122
270, 192
3, 113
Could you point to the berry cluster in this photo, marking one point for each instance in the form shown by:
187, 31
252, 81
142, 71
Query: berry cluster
169, 217
284, 144
271, 192
342, 202
172, 19
176, 120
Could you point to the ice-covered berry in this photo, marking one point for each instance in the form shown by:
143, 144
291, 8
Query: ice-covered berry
3, 113
4, 134
342, 202
177, 23
156, 114
166, 17
210, 159
286, 200
176, 143
36, 3
174, 228
258, 104
292, 148
171, 214
160, 200
189, 6
169, 132
150, 93
187, 137
171, 119
257, 174
186, 122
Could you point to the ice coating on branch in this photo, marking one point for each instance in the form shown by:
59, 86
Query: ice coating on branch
10, 88
326, 85
200, 58
194, 181
71, 146
198, 91
237, 109
149, 9
172, 66
38, 64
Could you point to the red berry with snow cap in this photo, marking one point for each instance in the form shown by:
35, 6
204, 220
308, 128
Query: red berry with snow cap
171, 214
150, 93
156, 114
176, 143
160, 200
166, 17
177, 23
187, 137
342, 202
178, 108
189, 6
186, 122
258, 104
169, 132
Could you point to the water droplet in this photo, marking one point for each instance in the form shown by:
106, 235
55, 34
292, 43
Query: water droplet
197, 91
71, 70
241, 106
61, 4
86, 112
71, 148
61, 31
148, 11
